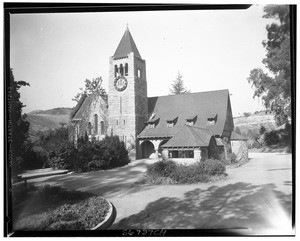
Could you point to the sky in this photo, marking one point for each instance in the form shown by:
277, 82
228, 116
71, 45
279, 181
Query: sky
214, 49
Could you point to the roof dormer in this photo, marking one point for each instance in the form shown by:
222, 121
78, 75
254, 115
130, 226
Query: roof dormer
212, 120
191, 120
171, 121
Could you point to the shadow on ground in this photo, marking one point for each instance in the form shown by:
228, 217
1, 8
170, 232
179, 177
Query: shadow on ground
239, 205
118, 181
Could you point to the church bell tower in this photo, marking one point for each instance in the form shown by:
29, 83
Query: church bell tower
127, 92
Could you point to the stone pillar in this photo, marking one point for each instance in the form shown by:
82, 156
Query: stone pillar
197, 154
156, 146
165, 154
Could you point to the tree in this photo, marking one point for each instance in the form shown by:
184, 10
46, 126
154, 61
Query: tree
275, 87
19, 125
246, 114
90, 87
262, 130
178, 86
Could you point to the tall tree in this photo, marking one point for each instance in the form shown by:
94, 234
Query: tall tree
275, 87
178, 86
90, 87
19, 124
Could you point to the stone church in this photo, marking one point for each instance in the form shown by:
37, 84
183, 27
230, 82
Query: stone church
193, 125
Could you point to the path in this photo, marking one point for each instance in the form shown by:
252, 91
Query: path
256, 197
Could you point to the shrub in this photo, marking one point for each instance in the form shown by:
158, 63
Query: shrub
271, 138
262, 130
162, 168
97, 155
213, 167
168, 172
97, 164
232, 157
191, 174
246, 114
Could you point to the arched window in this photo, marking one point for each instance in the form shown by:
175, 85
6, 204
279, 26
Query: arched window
120, 104
126, 69
121, 69
89, 128
95, 124
116, 70
102, 127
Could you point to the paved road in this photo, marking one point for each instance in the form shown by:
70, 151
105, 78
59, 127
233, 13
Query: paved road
255, 197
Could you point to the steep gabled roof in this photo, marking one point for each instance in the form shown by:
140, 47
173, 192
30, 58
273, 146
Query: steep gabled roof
126, 46
190, 137
83, 105
201, 105
80, 112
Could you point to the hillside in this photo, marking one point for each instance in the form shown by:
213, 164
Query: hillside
254, 122
43, 120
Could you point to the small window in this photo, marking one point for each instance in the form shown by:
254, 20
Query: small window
121, 69
117, 122
139, 73
102, 127
124, 122
96, 124
89, 128
126, 69
170, 124
120, 104
151, 125
212, 120
190, 123
116, 70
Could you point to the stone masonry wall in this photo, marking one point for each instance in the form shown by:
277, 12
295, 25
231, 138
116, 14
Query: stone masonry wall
127, 108
98, 106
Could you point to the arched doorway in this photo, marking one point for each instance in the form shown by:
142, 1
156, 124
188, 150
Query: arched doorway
147, 149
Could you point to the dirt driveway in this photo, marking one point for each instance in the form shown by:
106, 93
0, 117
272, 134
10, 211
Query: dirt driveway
256, 198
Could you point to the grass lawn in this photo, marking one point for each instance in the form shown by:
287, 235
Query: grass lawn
55, 208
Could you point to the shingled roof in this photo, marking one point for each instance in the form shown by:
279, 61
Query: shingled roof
190, 137
126, 46
201, 105
83, 105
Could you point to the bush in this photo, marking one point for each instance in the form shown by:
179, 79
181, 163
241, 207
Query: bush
168, 172
162, 169
107, 153
193, 173
232, 157
272, 138
213, 167
97, 164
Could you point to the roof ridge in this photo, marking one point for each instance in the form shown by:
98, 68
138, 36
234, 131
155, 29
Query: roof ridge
190, 93
193, 134
200, 136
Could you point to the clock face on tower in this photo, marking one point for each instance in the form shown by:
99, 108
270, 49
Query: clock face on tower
120, 83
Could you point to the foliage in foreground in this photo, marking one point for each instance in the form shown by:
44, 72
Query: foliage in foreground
168, 172
90, 156
58, 209
18, 127
275, 88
